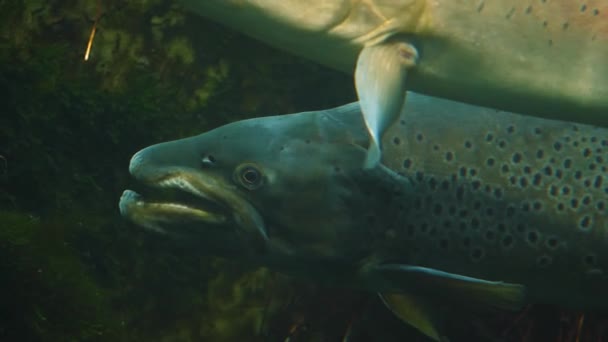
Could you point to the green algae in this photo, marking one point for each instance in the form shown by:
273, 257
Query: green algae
73, 269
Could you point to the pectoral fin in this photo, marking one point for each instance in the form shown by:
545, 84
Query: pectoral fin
415, 311
380, 81
431, 282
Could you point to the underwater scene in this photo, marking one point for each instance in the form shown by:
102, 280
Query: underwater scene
304, 170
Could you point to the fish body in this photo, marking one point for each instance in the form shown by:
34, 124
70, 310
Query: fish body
499, 209
544, 58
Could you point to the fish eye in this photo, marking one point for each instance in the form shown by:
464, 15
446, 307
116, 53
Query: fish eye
249, 176
208, 160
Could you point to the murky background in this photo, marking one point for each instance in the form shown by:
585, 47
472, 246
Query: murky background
72, 269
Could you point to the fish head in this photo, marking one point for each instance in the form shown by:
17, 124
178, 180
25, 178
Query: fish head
285, 184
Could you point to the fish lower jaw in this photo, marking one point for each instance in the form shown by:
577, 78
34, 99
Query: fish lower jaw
155, 215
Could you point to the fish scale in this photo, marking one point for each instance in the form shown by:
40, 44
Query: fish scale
502, 190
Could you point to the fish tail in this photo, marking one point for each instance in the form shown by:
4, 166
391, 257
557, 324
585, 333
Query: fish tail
374, 154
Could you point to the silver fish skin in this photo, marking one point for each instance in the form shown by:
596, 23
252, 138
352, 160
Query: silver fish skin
467, 200
544, 58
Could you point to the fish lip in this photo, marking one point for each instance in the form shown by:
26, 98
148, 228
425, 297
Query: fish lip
225, 200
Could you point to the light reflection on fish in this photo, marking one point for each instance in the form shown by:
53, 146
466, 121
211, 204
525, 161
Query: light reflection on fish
544, 58
468, 207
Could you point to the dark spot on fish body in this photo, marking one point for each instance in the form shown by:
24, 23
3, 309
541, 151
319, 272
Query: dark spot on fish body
586, 152
410, 231
449, 156
532, 237
583, 8
552, 243
437, 209
528, 9
463, 171
586, 200
432, 183
463, 213
477, 254
424, 227
516, 157
475, 223
574, 203
557, 146
490, 236
553, 190
537, 179
510, 14
520, 228
507, 241
523, 182
477, 205
540, 154
596, 12
498, 193
396, 141
445, 185
544, 261
585, 223
590, 260
565, 26
475, 185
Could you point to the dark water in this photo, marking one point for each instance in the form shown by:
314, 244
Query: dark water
73, 270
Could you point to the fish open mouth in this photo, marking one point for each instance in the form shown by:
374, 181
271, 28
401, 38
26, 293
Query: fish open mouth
189, 198
153, 214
